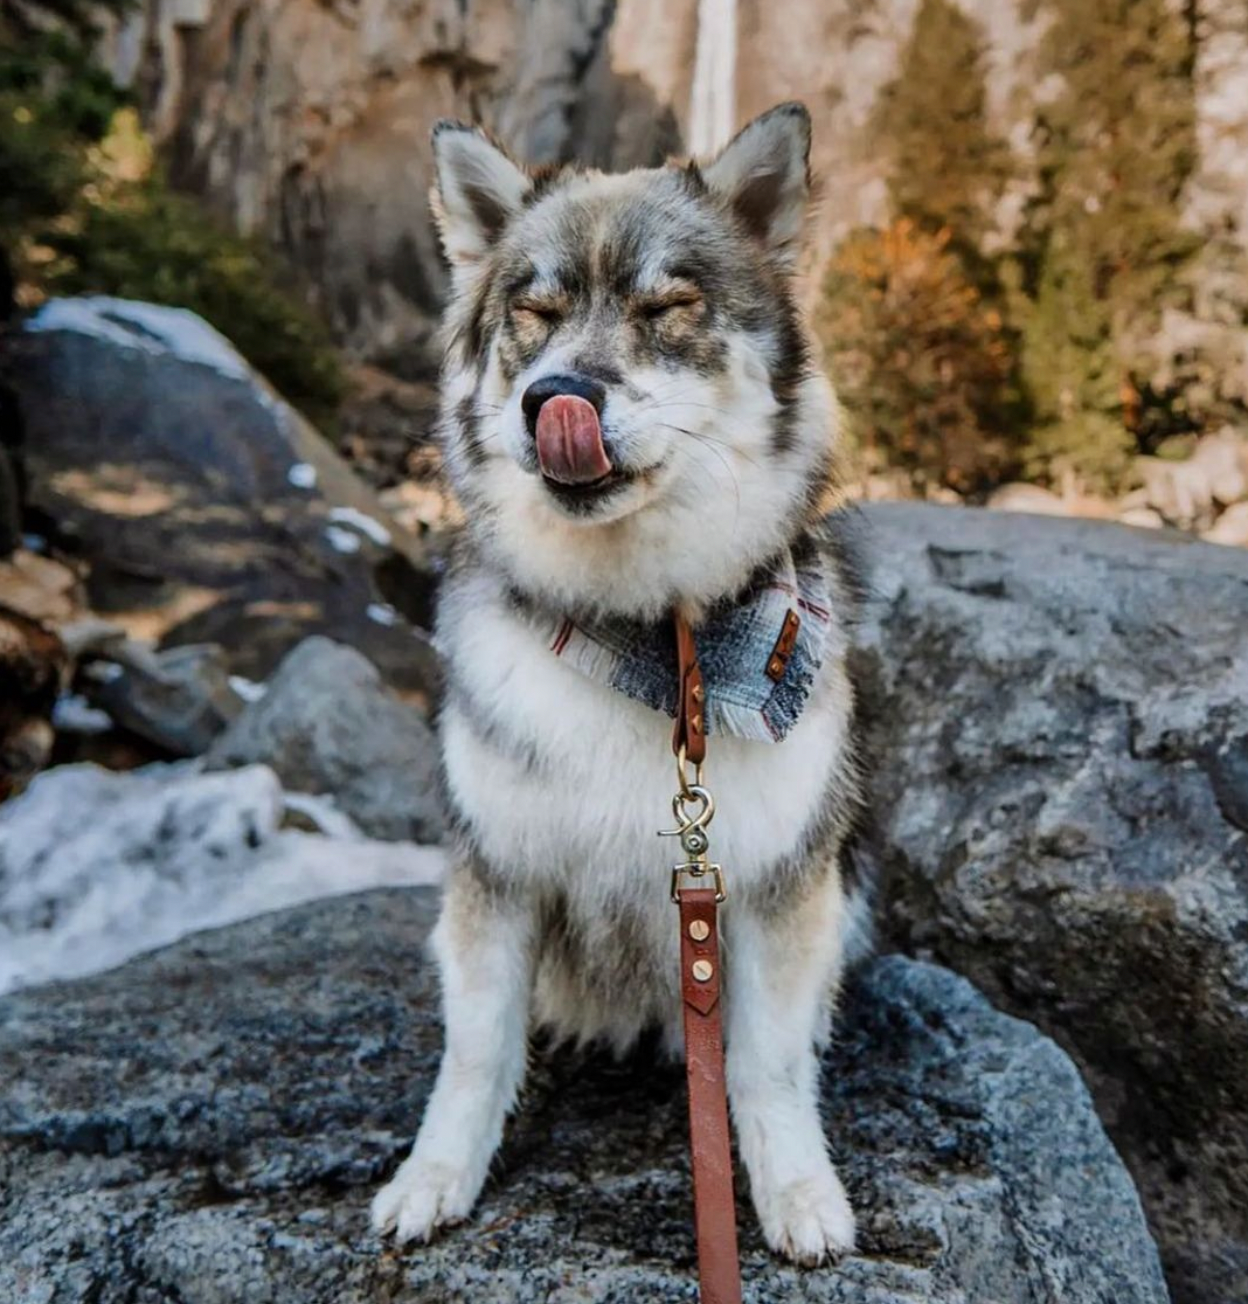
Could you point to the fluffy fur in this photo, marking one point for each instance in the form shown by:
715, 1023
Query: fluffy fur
669, 288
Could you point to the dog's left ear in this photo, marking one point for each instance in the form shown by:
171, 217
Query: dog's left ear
764, 174
477, 192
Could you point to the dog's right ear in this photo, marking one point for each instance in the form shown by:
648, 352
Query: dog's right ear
763, 174
477, 192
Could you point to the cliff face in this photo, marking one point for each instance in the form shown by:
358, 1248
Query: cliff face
309, 124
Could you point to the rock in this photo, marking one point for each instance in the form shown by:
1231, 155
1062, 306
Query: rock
309, 123
1142, 518
96, 867
1231, 527
209, 510
12, 478
423, 504
1018, 497
1059, 710
327, 725
387, 426
39, 587
11, 513
179, 700
34, 668
1188, 492
208, 1124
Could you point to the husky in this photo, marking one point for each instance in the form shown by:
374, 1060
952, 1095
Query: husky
634, 425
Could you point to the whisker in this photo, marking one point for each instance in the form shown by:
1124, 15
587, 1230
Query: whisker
732, 475
710, 439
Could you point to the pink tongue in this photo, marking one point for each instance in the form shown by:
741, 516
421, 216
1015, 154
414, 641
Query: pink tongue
569, 441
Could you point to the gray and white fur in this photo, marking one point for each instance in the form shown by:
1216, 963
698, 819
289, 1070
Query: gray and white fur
667, 291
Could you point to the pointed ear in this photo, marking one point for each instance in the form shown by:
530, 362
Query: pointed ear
763, 174
477, 192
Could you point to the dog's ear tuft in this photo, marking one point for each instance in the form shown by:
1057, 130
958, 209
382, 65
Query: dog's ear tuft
477, 192
764, 175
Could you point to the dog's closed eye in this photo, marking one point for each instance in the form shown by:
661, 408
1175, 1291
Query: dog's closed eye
661, 304
548, 311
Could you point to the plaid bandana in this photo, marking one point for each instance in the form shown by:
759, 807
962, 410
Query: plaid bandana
759, 653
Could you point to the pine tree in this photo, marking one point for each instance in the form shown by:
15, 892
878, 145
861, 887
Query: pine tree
1103, 247
919, 358
913, 317
947, 166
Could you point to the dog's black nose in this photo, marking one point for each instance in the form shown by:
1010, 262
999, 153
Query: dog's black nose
572, 382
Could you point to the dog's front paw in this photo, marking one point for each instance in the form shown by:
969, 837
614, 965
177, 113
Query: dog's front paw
808, 1219
421, 1198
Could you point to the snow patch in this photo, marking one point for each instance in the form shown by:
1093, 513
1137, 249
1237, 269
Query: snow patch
144, 327
248, 689
324, 813
342, 540
72, 713
383, 613
362, 522
96, 867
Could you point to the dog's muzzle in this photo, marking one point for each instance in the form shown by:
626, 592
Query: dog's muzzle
563, 414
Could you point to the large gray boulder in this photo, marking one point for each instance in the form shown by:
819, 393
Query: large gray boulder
209, 510
327, 725
207, 1124
1059, 711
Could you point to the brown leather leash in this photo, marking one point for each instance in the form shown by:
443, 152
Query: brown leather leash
715, 1218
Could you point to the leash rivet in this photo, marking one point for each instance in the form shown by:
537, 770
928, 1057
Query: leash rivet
699, 930
703, 970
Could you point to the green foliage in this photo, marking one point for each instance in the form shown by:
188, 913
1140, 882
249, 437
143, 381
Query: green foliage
1073, 376
1050, 368
914, 318
83, 211
143, 241
947, 167
1102, 248
54, 103
921, 362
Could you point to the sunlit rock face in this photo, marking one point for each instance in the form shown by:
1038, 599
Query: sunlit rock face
309, 124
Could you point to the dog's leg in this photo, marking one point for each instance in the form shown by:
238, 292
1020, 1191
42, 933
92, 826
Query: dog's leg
780, 970
483, 946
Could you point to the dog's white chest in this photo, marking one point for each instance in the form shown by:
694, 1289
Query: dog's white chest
562, 778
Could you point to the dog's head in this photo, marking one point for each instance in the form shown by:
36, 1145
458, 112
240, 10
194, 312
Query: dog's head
630, 415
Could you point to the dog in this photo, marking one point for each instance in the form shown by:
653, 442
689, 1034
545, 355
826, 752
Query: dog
634, 425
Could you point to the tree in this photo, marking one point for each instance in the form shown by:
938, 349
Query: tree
914, 315
1102, 246
920, 360
54, 103
947, 166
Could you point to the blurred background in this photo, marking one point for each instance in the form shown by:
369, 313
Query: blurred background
1028, 265
220, 535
